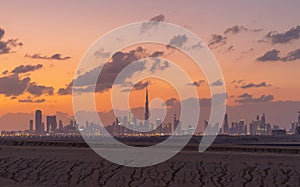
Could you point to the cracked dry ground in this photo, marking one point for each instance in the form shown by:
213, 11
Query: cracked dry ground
59, 166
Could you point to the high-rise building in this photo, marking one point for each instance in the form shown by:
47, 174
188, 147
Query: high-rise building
71, 122
190, 130
176, 124
263, 119
130, 118
159, 126
158, 122
147, 109
31, 125
134, 122
76, 126
260, 126
43, 127
51, 124
167, 128
205, 125
298, 117
225, 126
253, 127
125, 121
38, 122
60, 125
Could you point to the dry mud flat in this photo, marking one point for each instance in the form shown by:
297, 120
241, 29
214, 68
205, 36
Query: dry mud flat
67, 166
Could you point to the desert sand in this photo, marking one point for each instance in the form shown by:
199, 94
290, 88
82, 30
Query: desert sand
79, 166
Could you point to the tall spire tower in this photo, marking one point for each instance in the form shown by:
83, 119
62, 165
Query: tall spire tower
147, 108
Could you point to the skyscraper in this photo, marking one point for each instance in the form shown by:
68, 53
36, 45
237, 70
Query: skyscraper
147, 109
226, 124
176, 124
60, 125
31, 125
159, 126
51, 124
38, 122
263, 119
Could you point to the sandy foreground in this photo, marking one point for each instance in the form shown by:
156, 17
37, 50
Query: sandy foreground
73, 166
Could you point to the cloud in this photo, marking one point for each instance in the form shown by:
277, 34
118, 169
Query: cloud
141, 85
56, 56
284, 37
245, 95
253, 85
178, 41
65, 91
170, 102
102, 54
138, 86
247, 51
111, 70
31, 101
230, 48
239, 28
7, 46
159, 18
196, 83
26, 68
38, 90
13, 85
2, 32
217, 40
291, 56
238, 81
197, 46
272, 55
157, 54
5, 72
217, 83
153, 22
235, 29
248, 98
159, 65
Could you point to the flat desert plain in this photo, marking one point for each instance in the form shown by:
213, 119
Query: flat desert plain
79, 166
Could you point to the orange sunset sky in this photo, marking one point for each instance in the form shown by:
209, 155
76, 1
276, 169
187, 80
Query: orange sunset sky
256, 44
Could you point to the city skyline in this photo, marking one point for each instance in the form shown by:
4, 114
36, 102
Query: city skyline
130, 125
258, 55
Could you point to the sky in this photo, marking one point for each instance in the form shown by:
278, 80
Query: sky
256, 44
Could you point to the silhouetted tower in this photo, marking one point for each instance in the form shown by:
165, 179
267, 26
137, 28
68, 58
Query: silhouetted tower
51, 124
298, 117
31, 125
263, 119
38, 122
174, 122
226, 124
60, 125
147, 108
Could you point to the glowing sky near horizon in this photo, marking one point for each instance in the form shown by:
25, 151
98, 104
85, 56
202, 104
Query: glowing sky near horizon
69, 28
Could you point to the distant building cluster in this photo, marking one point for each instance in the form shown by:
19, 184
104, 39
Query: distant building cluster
128, 125
295, 126
37, 127
259, 126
